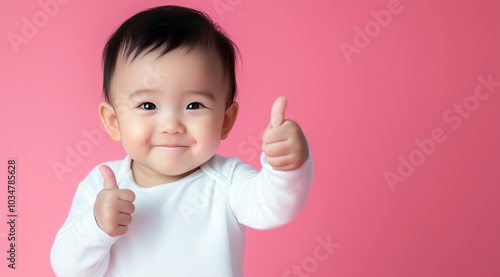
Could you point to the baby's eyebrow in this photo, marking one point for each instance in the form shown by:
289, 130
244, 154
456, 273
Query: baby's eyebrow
140, 92
207, 93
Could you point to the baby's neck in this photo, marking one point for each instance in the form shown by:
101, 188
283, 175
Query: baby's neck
145, 177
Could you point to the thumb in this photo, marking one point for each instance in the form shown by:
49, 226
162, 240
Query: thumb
109, 177
278, 112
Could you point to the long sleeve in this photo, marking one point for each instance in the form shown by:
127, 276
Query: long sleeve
81, 248
260, 200
269, 198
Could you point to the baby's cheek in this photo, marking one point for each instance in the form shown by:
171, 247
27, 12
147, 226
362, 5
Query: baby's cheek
136, 134
208, 135
139, 131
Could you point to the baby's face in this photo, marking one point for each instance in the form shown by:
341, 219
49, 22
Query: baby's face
171, 112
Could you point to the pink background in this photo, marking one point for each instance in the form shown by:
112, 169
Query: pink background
359, 116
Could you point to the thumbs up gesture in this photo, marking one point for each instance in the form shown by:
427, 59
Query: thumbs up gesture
283, 142
113, 206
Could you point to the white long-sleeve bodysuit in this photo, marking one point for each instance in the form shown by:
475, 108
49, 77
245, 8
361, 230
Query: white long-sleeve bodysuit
194, 226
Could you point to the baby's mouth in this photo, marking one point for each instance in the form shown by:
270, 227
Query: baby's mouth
172, 145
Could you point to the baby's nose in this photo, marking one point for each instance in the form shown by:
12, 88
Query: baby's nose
171, 124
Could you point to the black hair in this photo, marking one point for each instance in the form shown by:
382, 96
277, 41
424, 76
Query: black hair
166, 28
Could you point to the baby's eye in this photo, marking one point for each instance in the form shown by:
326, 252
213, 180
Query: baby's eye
195, 106
148, 106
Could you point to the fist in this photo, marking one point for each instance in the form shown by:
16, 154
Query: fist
283, 142
113, 206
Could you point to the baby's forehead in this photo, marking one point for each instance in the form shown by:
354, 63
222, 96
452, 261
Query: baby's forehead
196, 69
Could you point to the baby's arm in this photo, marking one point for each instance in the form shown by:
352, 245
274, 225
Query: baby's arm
81, 247
269, 198
275, 195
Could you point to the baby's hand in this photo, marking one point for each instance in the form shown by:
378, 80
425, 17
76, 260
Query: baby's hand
113, 206
283, 141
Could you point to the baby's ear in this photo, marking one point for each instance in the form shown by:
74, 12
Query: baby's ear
109, 120
229, 119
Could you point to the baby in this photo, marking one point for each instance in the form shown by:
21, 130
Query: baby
172, 206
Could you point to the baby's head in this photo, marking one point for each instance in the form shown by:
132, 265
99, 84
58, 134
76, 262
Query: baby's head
169, 87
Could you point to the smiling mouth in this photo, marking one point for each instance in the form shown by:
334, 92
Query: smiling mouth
172, 146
